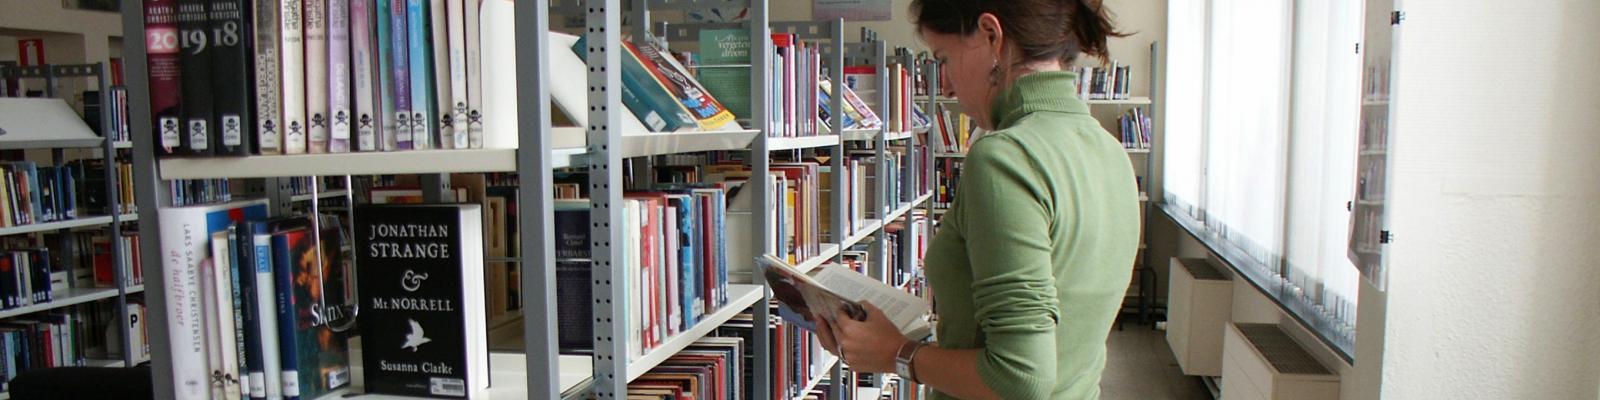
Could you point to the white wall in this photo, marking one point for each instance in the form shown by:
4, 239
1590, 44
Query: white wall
1494, 286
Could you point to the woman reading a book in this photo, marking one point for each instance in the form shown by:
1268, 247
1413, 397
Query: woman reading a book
1031, 263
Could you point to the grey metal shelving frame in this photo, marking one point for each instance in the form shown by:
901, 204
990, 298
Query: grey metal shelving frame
108, 149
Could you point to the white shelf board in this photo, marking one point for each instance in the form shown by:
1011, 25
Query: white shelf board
368, 163
122, 144
1137, 151
324, 195
50, 226
129, 217
827, 368
829, 251
804, 142
740, 297
135, 289
43, 123
64, 298
902, 135
1128, 101
950, 155
867, 228
652, 144
1369, 153
508, 376
861, 135
893, 215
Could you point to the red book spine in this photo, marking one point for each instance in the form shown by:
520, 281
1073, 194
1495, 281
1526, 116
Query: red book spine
166, 75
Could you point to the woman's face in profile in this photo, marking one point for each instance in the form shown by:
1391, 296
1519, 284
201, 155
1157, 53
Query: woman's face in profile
965, 65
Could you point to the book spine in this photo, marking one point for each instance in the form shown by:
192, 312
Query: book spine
269, 104
220, 327
421, 64
292, 71
241, 340
316, 67
474, 50
366, 95
182, 244
456, 107
439, 40
194, 26
231, 58
266, 313
400, 46
339, 111
288, 345
252, 376
163, 46
383, 76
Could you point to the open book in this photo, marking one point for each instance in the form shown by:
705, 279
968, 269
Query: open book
831, 293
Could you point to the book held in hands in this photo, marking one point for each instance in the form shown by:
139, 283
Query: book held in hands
832, 293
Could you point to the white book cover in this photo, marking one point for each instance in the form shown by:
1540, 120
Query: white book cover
292, 70
184, 246
474, 73
438, 24
363, 59
220, 331
316, 67
340, 118
456, 99
267, 317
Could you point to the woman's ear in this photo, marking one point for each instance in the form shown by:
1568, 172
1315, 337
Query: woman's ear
990, 30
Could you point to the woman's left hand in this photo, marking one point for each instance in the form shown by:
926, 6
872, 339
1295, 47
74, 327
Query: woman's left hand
867, 346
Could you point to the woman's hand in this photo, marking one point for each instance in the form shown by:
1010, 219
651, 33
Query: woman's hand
868, 346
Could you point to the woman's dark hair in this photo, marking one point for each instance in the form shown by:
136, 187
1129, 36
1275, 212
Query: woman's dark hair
1043, 29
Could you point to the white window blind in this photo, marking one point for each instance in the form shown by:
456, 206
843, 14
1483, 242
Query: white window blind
1247, 124
1185, 101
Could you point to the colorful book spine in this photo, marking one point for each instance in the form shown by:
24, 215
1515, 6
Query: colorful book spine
383, 77
194, 26
400, 47
339, 109
419, 37
316, 67
269, 106
362, 60
709, 113
292, 71
455, 113
230, 56
266, 312
288, 344
474, 51
162, 44
439, 40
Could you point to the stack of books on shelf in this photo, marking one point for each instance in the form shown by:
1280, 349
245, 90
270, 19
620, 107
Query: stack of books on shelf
34, 194
1104, 83
946, 175
1135, 127
955, 130
42, 340
902, 116
26, 277
798, 360
93, 112
796, 72
91, 251
199, 191
92, 186
710, 368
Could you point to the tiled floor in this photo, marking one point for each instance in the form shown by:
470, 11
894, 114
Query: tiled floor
1139, 366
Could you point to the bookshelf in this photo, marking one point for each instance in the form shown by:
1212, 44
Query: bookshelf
539, 371
51, 124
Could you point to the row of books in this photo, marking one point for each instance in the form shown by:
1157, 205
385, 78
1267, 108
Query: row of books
1104, 83
49, 340
199, 191
93, 189
117, 110
1134, 127
711, 368
955, 131
796, 354
660, 92
35, 194
92, 251
104, 328
253, 303
676, 263
299, 185
26, 278
946, 176
314, 76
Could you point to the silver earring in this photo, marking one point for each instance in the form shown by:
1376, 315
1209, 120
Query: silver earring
994, 73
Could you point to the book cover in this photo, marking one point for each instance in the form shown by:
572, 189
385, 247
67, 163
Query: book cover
421, 283
266, 313
649, 102
366, 119
724, 68
163, 48
291, 69
456, 105
194, 26
231, 60
248, 320
439, 42
310, 280
340, 119
269, 103
221, 345
316, 72
474, 50
419, 36
185, 237
400, 76
710, 114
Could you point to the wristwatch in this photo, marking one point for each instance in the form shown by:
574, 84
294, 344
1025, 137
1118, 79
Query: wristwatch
904, 358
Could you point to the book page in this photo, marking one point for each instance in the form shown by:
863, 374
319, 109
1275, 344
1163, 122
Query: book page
903, 309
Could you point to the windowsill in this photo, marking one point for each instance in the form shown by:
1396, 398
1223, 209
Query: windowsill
1263, 280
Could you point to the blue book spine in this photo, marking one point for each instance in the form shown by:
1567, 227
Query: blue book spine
244, 284
421, 63
720, 201
382, 15
287, 346
686, 281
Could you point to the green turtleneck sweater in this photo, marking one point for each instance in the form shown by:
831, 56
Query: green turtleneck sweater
1032, 262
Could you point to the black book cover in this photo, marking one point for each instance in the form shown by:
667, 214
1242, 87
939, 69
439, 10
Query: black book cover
420, 278
232, 78
194, 31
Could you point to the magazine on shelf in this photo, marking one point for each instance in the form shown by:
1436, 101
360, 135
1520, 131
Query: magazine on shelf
830, 293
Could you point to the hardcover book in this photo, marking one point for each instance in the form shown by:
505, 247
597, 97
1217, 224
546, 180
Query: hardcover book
422, 298
439, 42
366, 119
293, 74
454, 115
710, 113
648, 100
316, 70
194, 26
230, 56
166, 74
724, 68
269, 104
340, 119
312, 319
